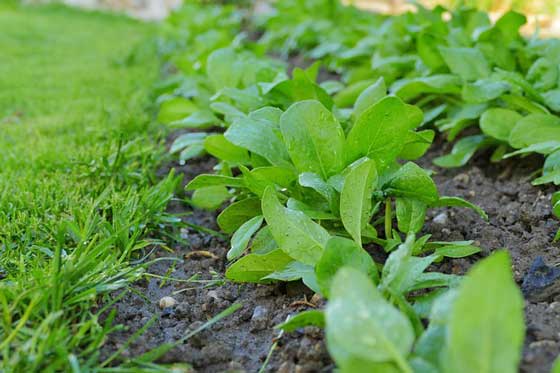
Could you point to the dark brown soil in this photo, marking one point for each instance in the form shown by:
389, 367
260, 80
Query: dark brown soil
520, 220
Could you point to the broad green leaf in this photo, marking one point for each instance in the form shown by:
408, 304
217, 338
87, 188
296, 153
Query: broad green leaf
486, 327
295, 233
310, 211
426, 45
187, 139
411, 181
362, 325
408, 89
242, 236
462, 151
551, 170
258, 136
210, 197
534, 129
348, 96
469, 63
191, 151
416, 144
296, 271
238, 213
253, 267
198, 119
175, 108
313, 137
411, 214
303, 319
380, 131
223, 68
219, 147
263, 242
498, 122
356, 197
315, 182
483, 90
341, 252
445, 201
370, 96
207, 180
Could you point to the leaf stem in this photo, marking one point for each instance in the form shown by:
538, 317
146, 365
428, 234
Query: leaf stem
388, 219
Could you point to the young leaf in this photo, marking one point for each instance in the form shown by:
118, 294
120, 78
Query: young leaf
411, 214
295, 271
362, 326
341, 252
258, 136
238, 213
469, 63
207, 180
498, 122
370, 96
462, 151
459, 202
241, 237
253, 267
416, 144
210, 197
313, 137
412, 181
534, 129
355, 199
380, 131
219, 147
486, 328
187, 139
303, 319
223, 68
295, 233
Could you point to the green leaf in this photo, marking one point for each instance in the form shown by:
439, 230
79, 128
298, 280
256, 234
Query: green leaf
348, 96
210, 197
238, 213
469, 63
412, 181
402, 272
341, 252
356, 197
459, 202
483, 90
498, 122
303, 319
457, 251
408, 89
187, 139
242, 236
370, 96
253, 267
380, 131
462, 152
295, 271
486, 328
258, 136
534, 129
223, 68
315, 182
175, 108
362, 325
313, 137
551, 170
411, 214
207, 180
198, 119
295, 233
416, 144
219, 147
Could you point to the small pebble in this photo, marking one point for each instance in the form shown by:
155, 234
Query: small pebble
441, 219
166, 302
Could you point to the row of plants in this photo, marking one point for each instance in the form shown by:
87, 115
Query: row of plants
461, 69
316, 176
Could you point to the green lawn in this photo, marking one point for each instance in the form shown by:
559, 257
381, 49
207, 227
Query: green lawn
77, 193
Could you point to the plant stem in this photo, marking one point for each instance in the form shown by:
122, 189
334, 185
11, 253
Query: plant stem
388, 219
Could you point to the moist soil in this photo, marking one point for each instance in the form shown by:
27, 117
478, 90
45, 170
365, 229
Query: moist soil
519, 220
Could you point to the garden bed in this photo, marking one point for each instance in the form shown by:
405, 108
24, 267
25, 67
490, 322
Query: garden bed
519, 220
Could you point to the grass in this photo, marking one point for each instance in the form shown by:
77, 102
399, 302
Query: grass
78, 150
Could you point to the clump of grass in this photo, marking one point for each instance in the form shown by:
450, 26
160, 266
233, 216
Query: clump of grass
77, 186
